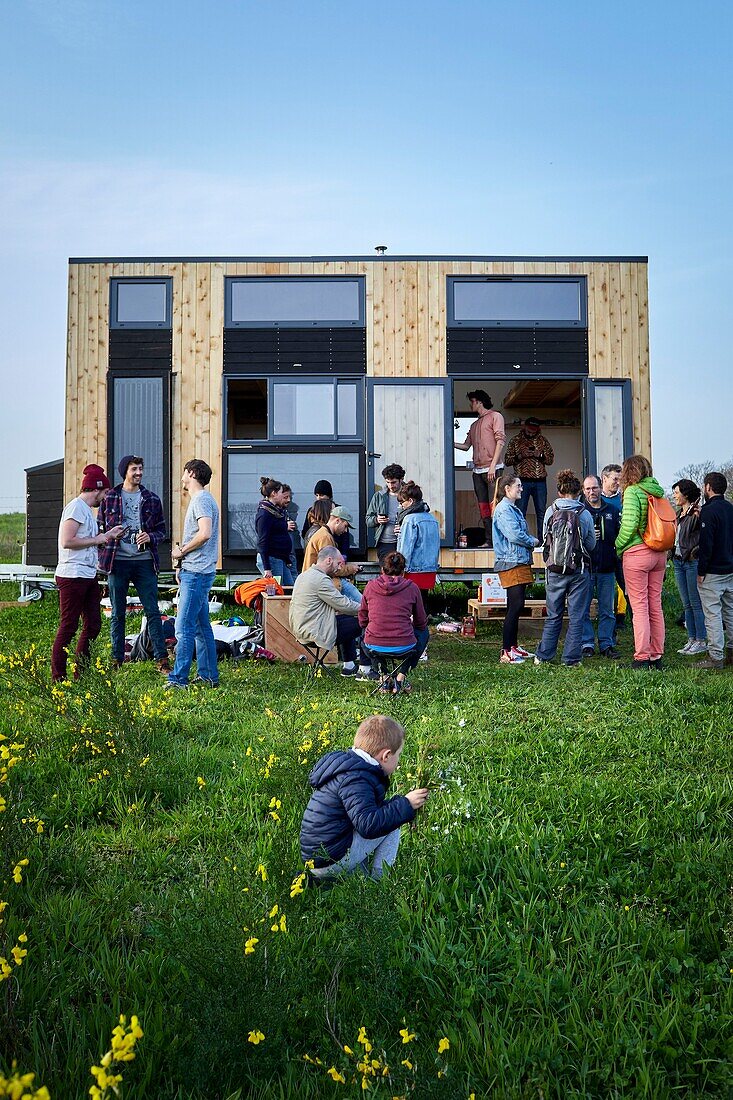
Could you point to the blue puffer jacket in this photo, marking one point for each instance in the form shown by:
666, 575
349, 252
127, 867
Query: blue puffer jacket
419, 540
348, 796
513, 544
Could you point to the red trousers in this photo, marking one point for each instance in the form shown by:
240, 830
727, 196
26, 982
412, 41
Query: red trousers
644, 577
79, 598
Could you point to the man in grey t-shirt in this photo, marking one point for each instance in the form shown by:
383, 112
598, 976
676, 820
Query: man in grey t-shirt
195, 560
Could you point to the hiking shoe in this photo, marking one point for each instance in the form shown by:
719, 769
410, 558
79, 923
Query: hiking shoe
687, 648
523, 653
173, 685
696, 648
386, 687
369, 677
640, 664
612, 653
510, 657
538, 661
656, 663
163, 666
205, 682
402, 687
588, 651
710, 663
349, 671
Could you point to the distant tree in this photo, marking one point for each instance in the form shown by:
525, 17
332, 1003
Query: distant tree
696, 472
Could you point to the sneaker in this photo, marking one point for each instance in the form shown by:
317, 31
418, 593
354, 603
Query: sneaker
402, 687
522, 652
204, 682
588, 651
369, 676
687, 648
538, 661
173, 685
640, 664
656, 663
163, 666
510, 657
424, 655
612, 653
697, 647
711, 663
349, 671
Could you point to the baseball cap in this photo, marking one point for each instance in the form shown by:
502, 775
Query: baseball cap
344, 514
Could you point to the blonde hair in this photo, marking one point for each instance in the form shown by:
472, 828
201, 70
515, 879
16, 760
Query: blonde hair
379, 732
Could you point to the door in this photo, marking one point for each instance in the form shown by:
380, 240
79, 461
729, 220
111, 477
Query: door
410, 421
608, 430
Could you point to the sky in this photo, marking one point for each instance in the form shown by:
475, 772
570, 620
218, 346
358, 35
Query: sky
482, 128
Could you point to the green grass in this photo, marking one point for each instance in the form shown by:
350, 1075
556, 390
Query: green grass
12, 537
561, 913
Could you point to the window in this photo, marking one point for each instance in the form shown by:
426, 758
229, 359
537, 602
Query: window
294, 302
279, 409
139, 426
521, 302
140, 303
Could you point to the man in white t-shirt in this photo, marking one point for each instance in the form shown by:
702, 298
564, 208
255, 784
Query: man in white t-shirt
76, 572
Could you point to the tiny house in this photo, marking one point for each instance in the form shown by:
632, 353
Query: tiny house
305, 368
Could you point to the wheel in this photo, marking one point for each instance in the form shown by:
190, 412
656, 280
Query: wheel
32, 595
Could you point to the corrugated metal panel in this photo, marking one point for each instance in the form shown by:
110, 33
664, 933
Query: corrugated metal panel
138, 427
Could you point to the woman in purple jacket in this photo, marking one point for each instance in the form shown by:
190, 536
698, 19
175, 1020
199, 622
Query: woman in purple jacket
392, 614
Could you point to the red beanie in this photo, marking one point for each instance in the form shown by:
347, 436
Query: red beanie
94, 478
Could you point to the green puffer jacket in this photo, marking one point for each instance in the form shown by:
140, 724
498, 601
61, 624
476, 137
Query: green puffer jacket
634, 512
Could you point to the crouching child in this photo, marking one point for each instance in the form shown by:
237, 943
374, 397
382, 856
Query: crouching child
348, 825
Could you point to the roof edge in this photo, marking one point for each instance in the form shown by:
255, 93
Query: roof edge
355, 259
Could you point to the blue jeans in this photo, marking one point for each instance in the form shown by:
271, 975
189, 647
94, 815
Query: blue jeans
537, 490
569, 589
194, 626
410, 662
127, 571
348, 632
278, 568
685, 573
603, 587
350, 590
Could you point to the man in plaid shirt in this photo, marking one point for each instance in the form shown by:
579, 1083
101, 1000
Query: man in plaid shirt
134, 558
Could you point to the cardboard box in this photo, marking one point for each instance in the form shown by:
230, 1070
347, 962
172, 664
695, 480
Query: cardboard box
491, 591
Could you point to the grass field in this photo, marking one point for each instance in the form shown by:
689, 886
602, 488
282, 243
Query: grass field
561, 915
12, 536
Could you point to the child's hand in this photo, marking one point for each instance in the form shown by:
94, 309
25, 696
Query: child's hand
418, 797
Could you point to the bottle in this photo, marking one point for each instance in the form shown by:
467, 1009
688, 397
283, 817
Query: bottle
462, 542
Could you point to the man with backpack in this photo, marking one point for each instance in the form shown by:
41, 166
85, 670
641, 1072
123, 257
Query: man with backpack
715, 571
570, 538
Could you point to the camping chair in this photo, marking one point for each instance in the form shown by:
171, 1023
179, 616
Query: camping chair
317, 667
391, 663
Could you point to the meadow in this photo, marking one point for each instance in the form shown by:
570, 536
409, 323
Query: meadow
558, 924
12, 536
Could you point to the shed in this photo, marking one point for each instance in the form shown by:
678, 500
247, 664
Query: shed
44, 504
303, 368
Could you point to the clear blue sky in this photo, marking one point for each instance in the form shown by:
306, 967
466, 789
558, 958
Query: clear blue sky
322, 127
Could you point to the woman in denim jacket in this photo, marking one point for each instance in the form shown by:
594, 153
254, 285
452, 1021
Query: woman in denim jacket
513, 546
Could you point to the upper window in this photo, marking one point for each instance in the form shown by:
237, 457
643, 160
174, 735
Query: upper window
517, 302
294, 302
140, 303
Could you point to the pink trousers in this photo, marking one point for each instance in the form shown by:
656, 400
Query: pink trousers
644, 577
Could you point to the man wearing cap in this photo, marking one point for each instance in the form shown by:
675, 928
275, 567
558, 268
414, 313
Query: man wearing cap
530, 453
487, 438
133, 559
76, 572
338, 524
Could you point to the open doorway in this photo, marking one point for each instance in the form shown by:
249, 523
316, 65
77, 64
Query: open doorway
556, 403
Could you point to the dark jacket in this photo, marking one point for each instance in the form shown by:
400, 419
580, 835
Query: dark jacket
687, 538
716, 538
348, 796
273, 537
390, 609
151, 521
606, 520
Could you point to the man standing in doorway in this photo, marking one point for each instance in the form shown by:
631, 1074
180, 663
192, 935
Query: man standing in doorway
530, 454
133, 559
487, 437
76, 572
603, 558
195, 561
715, 571
383, 509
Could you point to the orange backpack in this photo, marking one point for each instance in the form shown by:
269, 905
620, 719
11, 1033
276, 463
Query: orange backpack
661, 524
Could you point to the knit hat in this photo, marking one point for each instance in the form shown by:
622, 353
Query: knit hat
323, 489
94, 478
123, 464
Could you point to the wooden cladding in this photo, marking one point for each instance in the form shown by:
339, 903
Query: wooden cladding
406, 337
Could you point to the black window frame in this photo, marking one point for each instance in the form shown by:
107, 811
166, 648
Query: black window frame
114, 285
579, 280
230, 280
272, 440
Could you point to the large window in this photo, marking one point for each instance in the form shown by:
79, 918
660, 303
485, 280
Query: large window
139, 422
278, 409
479, 302
297, 302
140, 303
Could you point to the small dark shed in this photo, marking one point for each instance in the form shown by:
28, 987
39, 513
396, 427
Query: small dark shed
44, 504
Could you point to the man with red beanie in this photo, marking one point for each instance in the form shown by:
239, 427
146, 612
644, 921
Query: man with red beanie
76, 572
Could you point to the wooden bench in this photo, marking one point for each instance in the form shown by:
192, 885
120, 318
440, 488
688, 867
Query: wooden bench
279, 638
533, 609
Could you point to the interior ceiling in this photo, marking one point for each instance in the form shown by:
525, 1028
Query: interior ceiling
544, 392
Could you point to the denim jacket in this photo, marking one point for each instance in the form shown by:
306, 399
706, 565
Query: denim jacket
513, 544
419, 541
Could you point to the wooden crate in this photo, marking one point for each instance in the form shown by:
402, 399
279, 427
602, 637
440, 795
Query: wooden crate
278, 636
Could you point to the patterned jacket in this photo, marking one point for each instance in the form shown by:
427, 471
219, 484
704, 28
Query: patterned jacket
151, 521
529, 454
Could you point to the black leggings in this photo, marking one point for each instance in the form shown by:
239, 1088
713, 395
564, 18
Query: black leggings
514, 608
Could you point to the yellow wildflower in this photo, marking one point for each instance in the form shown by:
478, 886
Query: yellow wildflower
407, 1036
296, 887
201, 782
255, 1037
406, 1062
443, 1045
249, 947
335, 1075
261, 872
348, 1050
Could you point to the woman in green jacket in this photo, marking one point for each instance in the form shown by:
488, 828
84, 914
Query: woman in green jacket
643, 568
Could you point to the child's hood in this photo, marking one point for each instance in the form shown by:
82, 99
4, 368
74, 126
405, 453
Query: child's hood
338, 763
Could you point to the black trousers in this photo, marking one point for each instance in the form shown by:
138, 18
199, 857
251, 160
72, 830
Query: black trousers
514, 608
